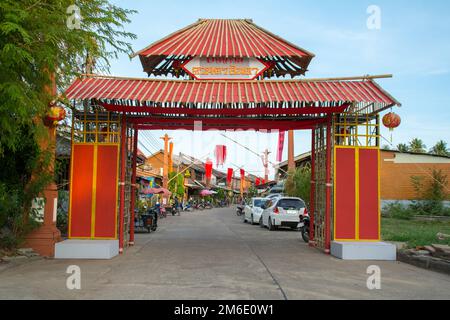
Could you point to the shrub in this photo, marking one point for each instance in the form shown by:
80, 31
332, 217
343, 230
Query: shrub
397, 210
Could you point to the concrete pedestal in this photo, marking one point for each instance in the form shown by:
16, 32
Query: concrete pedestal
364, 251
87, 249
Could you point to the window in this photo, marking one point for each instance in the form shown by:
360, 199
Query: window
291, 204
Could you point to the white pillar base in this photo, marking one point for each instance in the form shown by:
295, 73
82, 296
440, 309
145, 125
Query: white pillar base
87, 249
379, 251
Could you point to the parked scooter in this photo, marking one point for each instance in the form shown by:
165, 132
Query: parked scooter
304, 226
240, 210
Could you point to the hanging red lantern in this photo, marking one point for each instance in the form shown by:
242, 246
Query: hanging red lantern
257, 181
55, 114
208, 169
221, 154
392, 121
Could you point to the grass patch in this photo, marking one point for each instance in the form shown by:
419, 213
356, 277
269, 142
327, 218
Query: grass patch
414, 233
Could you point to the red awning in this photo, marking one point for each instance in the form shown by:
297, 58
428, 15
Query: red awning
140, 93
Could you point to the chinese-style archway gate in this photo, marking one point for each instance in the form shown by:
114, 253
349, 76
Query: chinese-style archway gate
227, 63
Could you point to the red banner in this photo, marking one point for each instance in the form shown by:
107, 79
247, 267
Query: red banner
208, 169
221, 154
281, 136
229, 176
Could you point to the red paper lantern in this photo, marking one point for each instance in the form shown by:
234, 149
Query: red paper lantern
257, 181
392, 121
55, 114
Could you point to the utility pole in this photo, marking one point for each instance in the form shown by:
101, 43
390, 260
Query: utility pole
265, 159
291, 162
166, 139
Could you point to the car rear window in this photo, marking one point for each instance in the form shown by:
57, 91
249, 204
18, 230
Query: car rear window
291, 204
258, 203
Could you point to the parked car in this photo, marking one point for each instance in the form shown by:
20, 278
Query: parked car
253, 210
274, 196
282, 212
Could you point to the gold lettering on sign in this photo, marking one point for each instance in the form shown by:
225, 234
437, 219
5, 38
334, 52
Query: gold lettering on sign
225, 71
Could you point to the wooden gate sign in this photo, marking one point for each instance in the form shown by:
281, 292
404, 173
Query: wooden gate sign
202, 68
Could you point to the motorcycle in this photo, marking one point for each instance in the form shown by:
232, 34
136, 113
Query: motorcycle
147, 221
187, 207
208, 205
175, 210
240, 210
304, 226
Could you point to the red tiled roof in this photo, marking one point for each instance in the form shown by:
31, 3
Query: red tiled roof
224, 38
145, 92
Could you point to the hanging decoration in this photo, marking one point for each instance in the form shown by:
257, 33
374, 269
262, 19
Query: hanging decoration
221, 155
281, 137
263, 181
208, 169
55, 114
392, 121
257, 181
229, 176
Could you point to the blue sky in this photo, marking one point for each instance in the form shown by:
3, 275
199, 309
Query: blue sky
413, 44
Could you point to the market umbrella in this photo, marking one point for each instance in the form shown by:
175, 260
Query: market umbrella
205, 193
162, 191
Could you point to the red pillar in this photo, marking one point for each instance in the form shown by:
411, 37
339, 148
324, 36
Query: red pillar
313, 187
133, 184
123, 160
328, 191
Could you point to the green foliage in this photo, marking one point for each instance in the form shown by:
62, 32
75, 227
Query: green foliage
414, 233
176, 184
252, 192
402, 147
18, 189
62, 218
298, 184
440, 149
34, 38
221, 194
396, 210
417, 146
431, 194
35, 43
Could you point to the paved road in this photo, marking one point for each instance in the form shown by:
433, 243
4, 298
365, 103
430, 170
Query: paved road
213, 255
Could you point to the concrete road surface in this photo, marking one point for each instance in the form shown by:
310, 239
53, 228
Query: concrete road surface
212, 254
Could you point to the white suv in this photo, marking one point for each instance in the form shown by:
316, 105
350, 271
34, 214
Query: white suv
253, 210
282, 212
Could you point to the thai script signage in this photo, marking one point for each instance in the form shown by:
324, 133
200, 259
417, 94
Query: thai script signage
224, 68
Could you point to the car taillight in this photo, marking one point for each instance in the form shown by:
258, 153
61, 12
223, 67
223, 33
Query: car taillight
276, 211
305, 213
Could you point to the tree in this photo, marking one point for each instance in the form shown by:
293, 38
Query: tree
417, 146
402, 147
298, 183
440, 149
176, 184
40, 39
37, 39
